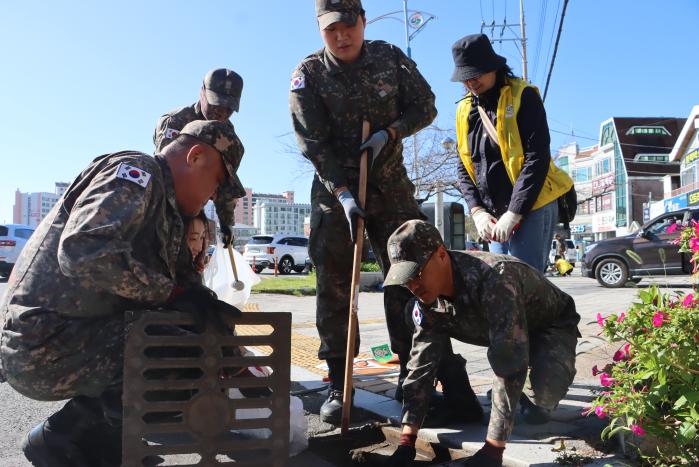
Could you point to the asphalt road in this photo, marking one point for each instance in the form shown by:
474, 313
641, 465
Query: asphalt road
19, 414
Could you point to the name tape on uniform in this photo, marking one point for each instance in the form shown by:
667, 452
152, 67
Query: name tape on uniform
133, 174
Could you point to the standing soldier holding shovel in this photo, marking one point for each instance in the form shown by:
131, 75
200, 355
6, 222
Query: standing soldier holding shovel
332, 92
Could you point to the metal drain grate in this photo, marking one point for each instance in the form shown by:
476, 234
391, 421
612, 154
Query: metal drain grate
176, 401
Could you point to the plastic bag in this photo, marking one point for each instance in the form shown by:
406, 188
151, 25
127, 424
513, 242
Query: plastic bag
218, 276
298, 425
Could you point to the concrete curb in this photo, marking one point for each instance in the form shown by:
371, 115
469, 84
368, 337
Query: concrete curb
529, 446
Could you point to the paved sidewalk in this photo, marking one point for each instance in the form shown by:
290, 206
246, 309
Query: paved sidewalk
530, 445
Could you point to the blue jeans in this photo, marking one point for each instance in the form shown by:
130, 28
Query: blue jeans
531, 242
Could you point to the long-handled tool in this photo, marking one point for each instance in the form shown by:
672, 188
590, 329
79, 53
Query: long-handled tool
237, 285
353, 325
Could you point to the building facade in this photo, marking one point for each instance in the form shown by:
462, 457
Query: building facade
616, 179
271, 217
682, 191
30, 208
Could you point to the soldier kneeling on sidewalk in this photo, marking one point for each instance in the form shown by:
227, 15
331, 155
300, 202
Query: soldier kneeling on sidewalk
489, 300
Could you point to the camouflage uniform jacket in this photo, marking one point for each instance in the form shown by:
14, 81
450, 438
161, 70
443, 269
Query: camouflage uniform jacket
168, 129
329, 101
108, 245
500, 302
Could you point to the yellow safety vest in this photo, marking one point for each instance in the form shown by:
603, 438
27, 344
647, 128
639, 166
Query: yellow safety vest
557, 181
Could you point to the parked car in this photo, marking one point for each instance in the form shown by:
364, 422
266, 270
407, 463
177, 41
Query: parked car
13, 237
650, 251
291, 251
571, 252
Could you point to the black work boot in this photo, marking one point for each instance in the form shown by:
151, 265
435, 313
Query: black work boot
331, 410
460, 399
532, 413
398, 396
56, 441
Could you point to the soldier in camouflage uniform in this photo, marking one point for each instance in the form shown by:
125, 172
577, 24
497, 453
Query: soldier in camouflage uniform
219, 97
108, 249
483, 299
332, 91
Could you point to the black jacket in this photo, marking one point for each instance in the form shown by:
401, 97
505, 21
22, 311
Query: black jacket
495, 192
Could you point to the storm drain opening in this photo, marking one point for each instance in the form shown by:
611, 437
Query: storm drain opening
203, 398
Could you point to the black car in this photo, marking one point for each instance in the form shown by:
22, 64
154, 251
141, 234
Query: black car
649, 252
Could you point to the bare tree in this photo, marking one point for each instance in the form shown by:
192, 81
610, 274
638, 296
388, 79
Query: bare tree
430, 159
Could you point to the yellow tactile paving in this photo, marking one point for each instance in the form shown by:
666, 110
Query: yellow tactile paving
304, 349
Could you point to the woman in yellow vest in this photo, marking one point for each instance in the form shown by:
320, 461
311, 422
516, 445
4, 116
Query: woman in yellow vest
507, 176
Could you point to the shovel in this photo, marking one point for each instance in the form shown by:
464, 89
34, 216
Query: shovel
354, 293
237, 285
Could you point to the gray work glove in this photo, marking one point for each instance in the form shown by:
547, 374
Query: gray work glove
351, 211
374, 145
226, 235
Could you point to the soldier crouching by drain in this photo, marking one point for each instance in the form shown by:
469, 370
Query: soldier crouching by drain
489, 300
109, 248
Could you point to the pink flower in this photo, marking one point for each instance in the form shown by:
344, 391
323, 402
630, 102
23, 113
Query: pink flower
605, 380
618, 356
595, 371
600, 411
627, 350
600, 320
694, 244
658, 319
672, 229
637, 430
621, 317
688, 300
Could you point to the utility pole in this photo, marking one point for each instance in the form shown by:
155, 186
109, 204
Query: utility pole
520, 39
524, 40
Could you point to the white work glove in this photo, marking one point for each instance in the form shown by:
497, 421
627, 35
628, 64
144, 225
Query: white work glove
484, 223
505, 226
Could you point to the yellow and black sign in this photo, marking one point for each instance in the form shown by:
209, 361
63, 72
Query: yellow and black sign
690, 157
693, 198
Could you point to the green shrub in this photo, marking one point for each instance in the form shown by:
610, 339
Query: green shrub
370, 267
651, 389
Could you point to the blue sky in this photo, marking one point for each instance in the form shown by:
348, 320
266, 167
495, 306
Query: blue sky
80, 78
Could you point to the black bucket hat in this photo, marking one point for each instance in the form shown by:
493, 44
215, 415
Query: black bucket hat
473, 56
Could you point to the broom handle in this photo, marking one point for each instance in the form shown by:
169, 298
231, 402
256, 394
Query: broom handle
354, 292
235, 270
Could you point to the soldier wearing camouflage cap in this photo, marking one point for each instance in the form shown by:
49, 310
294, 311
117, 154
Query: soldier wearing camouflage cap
490, 300
332, 91
111, 244
219, 97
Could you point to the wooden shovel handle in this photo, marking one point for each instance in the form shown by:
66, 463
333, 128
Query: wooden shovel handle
352, 327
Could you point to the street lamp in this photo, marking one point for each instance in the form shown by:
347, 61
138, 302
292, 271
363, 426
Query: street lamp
448, 144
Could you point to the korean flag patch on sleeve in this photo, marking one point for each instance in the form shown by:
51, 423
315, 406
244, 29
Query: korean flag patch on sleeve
133, 174
417, 314
298, 82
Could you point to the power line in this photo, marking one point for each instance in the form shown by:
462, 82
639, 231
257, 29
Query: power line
539, 37
622, 144
555, 48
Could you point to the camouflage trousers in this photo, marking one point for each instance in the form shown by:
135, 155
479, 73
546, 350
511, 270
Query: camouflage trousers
551, 372
49, 357
332, 250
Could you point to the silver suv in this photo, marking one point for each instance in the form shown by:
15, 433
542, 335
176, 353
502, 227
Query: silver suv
13, 237
290, 251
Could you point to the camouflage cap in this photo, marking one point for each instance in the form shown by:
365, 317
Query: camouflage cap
221, 136
332, 11
409, 248
223, 87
